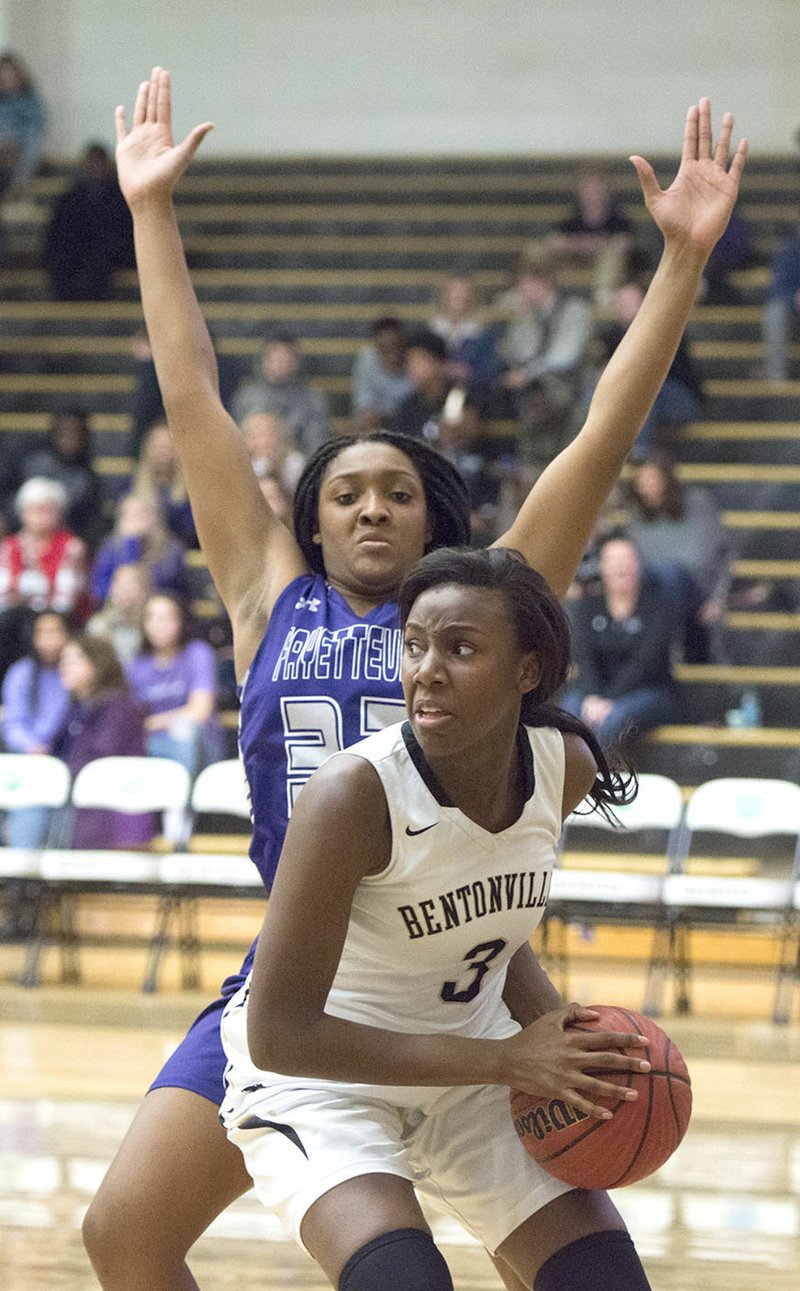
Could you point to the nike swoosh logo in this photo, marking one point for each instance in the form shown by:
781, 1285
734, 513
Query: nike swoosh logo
412, 832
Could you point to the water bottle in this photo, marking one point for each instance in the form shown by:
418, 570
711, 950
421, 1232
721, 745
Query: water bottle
750, 709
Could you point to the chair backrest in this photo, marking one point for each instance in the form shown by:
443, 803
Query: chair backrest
745, 807
657, 805
222, 788
132, 784
32, 780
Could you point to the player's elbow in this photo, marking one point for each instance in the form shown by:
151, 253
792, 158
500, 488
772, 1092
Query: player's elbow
274, 1042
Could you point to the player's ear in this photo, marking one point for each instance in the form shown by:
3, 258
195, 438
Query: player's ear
530, 672
317, 538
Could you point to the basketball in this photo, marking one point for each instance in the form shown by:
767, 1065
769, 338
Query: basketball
641, 1134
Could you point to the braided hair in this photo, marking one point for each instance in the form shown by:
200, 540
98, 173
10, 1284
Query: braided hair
542, 628
445, 492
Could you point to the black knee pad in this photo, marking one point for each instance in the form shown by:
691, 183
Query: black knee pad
604, 1261
403, 1260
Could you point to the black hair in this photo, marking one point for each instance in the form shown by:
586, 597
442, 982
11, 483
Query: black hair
35, 679
424, 339
388, 324
445, 492
542, 628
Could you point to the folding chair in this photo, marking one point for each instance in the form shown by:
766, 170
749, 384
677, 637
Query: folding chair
740, 807
220, 788
626, 890
28, 780
123, 784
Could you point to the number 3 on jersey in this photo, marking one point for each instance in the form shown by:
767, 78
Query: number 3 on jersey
313, 730
478, 960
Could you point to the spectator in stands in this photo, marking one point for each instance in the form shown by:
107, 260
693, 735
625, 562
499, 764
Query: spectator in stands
270, 446
472, 356
67, 457
34, 705
597, 233
23, 123
90, 233
732, 252
119, 619
175, 678
102, 720
680, 399
147, 406
464, 442
379, 378
678, 531
781, 308
279, 499
622, 642
159, 479
140, 536
42, 567
426, 363
277, 385
544, 345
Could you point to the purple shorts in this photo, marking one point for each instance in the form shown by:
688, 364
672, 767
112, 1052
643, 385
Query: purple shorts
198, 1064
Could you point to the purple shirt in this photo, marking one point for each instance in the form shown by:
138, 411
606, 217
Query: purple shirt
161, 687
33, 707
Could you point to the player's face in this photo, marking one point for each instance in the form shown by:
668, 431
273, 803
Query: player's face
373, 519
463, 672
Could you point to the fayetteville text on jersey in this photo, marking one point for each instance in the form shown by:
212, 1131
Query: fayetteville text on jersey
362, 650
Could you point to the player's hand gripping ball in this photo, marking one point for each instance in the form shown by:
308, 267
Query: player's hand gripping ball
641, 1135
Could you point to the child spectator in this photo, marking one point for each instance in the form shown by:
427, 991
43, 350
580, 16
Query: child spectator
379, 379
159, 479
34, 704
67, 457
140, 536
102, 720
119, 620
175, 679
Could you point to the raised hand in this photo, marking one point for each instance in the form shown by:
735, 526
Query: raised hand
149, 163
696, 207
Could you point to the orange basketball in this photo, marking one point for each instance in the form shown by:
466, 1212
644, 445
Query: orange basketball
641, 1134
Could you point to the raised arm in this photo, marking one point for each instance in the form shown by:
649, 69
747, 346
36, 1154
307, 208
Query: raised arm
555, 521
250, 553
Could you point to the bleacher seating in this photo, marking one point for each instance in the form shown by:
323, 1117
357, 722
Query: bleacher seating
322, 248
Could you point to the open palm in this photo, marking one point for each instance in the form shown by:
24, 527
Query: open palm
697, 205
149, 163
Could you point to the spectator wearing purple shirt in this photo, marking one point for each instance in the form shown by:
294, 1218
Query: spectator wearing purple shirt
34, 705
176, 681
103, 720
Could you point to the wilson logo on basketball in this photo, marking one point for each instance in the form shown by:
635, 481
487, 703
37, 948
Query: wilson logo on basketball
548, 1118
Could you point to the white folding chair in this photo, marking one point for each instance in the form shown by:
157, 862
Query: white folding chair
221, 789
739, 807
131, 785
28, 780
626, 889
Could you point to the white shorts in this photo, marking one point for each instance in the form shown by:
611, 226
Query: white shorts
463, 1154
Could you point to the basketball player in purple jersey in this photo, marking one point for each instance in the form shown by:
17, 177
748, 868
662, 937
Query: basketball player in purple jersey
369, 513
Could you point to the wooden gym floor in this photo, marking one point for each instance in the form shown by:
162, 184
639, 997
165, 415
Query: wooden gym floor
723, 1213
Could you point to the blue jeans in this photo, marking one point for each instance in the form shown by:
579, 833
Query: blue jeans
675, 405
28, 826
631, 715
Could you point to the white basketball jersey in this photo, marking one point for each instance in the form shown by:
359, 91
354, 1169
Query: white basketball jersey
430, 937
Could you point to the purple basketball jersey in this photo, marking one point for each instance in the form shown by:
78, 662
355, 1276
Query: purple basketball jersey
321, 680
